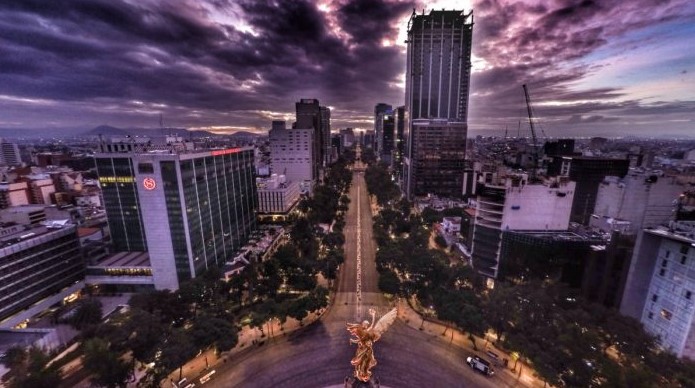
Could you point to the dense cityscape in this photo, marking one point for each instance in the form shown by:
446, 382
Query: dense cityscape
297, 241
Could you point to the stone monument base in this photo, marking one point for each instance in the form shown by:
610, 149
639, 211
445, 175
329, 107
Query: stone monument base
352, 382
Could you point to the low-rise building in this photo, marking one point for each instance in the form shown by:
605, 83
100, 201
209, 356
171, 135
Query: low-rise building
451, 225
39, 266
276, 196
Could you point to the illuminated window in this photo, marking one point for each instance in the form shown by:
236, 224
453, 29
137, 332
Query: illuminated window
666, 314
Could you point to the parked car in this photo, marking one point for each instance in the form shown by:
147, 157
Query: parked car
480, 365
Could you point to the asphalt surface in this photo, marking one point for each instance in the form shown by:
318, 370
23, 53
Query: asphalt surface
319, 355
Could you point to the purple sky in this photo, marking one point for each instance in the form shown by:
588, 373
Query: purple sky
609, 67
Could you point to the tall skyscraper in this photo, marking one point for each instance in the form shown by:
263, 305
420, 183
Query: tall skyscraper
311, 115
385, 129
437, 89
190, 209
325, 120
379, 109
399, 146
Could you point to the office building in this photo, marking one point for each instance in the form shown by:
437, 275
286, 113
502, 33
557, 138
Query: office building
119, 189
641, 199
311, 115
327, 147
385, 131
368, 139
588, 172
40, 266
513, 204
14, 194
292, 154
276, 196
606, 269
9, 154
378, 110
660, 286
437, 160
560, 147
189, 210
437, 90
347, 137
399, 146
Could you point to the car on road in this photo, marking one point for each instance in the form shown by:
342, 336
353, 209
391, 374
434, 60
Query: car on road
206, 377
480, 365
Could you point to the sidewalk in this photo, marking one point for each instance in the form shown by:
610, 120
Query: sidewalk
523, 372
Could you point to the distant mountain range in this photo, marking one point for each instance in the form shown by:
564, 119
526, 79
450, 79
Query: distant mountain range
107, 130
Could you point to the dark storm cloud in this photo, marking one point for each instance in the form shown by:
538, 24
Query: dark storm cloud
368, 21
542, 45
173, 57
236, 62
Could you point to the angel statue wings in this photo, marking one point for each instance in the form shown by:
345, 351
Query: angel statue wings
364, 335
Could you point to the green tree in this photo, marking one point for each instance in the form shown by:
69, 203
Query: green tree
15, 357
34, 370
87, 313
389, 282
207, 331
147, 331
105, 365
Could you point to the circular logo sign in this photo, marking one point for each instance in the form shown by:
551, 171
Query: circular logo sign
149, 183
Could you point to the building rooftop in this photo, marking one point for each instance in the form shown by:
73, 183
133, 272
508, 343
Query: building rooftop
683, 231
27, 233
125, 259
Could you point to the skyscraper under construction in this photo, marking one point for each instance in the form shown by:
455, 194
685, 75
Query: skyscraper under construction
437, 89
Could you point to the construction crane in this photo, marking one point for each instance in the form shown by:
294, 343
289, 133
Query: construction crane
534, 171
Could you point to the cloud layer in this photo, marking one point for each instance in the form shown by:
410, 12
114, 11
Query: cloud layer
239, 64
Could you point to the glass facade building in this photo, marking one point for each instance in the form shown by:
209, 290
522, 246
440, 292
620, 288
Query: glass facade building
437, 90
36, 264
118, 186
197, 208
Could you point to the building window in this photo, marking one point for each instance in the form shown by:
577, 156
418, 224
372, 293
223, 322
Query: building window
664, 263
662, 272
684, 249
684, 259
651, 315
654, 298
145, 168
688, 295
668, 253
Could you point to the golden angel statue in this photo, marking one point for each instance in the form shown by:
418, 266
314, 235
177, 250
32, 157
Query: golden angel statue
364, 335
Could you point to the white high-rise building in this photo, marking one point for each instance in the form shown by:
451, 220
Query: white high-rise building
512, 204
291, 154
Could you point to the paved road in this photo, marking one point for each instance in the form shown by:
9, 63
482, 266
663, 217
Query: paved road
319, 356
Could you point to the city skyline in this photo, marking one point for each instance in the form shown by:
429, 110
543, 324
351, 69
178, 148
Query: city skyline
610, 68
